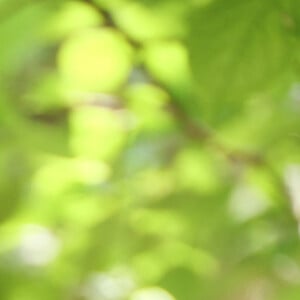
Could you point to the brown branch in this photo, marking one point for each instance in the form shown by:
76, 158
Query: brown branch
195, 130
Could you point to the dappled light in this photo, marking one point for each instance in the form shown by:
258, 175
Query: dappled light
149, 150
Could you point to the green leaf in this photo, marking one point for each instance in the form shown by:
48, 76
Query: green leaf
239, 49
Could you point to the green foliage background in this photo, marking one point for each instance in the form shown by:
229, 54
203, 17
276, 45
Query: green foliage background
149, 149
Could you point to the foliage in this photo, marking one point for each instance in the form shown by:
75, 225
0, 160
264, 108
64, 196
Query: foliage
149, 149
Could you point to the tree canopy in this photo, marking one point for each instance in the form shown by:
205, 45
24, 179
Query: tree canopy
150, 150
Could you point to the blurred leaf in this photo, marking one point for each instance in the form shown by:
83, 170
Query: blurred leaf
145, 23
97, 133
95, 61
72, 17
238, 49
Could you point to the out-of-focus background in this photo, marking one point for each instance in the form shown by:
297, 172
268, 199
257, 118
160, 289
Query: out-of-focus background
149, 150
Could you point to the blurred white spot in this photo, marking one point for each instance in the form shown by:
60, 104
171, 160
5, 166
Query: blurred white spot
295, 96
38, 246
109, 286
292, 180
153, 293
287, 269
246, 203
259, 289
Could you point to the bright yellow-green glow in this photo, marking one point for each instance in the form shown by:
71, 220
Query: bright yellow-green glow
95, 60
153, 293
97, 133
145, 97
65, 172
72, 17
146, 23
168, 61
125, 177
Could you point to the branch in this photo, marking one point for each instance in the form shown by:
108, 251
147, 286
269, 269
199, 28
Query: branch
198, 131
